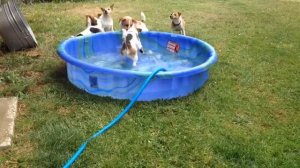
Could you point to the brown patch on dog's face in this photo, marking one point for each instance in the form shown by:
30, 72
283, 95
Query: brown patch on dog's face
175, 15
107, 10
126, 22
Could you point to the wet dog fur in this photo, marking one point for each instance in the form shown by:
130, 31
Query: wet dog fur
127, 22
131, 44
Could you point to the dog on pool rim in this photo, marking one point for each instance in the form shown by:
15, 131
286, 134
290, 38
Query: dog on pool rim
101, 23
93, 25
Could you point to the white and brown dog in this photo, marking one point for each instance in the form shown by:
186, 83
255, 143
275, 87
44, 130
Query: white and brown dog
106, 18
101, 23
178, 23
131, 44
127, 22
93, 25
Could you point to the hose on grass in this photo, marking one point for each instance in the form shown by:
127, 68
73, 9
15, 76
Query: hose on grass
114, 121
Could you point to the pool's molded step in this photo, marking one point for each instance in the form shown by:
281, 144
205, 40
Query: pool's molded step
8, 109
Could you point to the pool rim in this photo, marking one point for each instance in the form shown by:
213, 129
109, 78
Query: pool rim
212, 59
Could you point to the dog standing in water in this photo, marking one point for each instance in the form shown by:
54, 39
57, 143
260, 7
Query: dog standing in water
131, 44
127, 22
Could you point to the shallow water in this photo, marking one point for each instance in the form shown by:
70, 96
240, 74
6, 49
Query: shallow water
148, 61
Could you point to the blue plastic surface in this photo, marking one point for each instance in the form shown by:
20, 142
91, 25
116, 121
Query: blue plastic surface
124, 83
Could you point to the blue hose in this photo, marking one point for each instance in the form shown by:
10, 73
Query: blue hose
114, 121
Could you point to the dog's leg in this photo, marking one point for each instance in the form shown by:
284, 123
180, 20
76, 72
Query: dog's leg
123, 53
135, 59
139, 45
173, 31
183, 31
123, 49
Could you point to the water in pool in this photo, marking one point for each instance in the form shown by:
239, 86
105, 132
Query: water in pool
148, 61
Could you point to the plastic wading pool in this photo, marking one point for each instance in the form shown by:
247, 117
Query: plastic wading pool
187, 69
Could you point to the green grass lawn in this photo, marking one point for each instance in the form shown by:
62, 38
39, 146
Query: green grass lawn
246, 115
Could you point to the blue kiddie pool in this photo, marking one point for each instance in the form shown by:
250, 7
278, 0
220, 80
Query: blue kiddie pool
95, 65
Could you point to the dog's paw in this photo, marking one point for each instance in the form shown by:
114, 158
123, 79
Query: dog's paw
141, 51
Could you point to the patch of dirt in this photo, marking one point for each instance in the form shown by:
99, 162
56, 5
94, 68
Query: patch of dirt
265, 126
37, 89
3, 49
219, 46
39, 84
19, 150
34, 53
281, 116
2, 87
32, 74
64, 111
22, 109
2, 68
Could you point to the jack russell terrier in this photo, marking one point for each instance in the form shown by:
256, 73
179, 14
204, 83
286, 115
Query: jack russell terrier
106, 18
131, 44
93, 25
178, 23
101, 23
127, 22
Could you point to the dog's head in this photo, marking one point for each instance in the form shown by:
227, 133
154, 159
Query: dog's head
107, 10
126, 22
175, 15
90, 20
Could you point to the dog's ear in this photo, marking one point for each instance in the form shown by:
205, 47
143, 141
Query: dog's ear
99, 14
103, 10
121, 20
179, 13
88, 20
112, 6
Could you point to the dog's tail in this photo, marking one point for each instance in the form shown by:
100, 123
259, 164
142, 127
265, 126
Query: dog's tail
143, 17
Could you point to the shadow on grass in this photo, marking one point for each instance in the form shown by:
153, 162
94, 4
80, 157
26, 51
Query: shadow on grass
59, 77
3, 49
